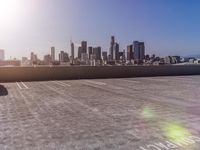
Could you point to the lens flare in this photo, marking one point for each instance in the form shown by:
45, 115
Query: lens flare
175, 132
148, 112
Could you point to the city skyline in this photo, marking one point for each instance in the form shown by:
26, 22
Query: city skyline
167, 28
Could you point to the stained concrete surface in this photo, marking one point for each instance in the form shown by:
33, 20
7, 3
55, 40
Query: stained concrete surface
119, 114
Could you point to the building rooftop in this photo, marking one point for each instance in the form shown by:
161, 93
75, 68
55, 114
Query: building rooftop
155, 113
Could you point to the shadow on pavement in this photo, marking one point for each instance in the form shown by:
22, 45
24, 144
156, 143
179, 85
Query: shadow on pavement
3, 91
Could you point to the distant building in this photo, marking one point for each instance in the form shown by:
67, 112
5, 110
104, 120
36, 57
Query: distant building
105, 56
53, 53
130, 52
172, 59
84, 46
139, 51
90, 52
121, 55
63, 56
47, 59
112, 47
2, 54
10, 63
33, 58
25, 60
72, 50
97, 53
84, 57
116, 52
124, 55
197, 61
79, 52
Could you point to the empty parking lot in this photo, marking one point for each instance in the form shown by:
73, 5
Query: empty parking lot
156, 113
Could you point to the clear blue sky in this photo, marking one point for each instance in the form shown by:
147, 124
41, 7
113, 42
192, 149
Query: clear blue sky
168, 27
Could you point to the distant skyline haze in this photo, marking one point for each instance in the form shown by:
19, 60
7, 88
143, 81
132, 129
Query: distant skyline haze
168, 27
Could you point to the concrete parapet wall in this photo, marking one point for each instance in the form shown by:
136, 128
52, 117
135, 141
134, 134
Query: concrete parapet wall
10, 74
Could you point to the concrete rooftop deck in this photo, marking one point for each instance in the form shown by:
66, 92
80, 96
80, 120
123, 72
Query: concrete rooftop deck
156, 113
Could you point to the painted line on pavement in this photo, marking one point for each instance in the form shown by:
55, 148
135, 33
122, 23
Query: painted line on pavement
61, 83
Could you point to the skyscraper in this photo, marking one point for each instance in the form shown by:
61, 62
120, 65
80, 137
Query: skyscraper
104, 56
33, 58
47, 59
90, 51
84, 46
129, 52
116, 51
139, 51
79, 52
63, 57
53, 53
142, 50
72, 50
97, 53
2, 54
112, 47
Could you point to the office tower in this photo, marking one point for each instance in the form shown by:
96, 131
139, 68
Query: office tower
116, 51
129, 52
84, 46
79, 52
47, 59
72, 50
53, 53
90, 52
112, 47
142, 50
84, 57
2, 54
124, 55
139, 50
121, 55
97, 53
63, 56
104, 56
136, 48
33, 58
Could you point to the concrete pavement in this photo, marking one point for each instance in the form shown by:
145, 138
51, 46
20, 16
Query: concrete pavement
156, 113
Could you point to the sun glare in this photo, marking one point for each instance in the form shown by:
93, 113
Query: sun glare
9, 11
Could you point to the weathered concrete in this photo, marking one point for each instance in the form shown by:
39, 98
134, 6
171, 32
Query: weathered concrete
100, 114
89, 72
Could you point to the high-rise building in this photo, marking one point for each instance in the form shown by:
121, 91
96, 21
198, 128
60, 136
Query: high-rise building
47, 59
79, 52
121, 55
33, 58
72, 50
84, 57
116, 51
124, 55
2, 54
63, 56
142, 50
84, 46
90, 52
112, 47
104, 56
139, 50
97, 53
53, 53
129, 52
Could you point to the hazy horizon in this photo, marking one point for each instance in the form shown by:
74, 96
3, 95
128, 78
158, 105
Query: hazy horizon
167, 27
